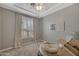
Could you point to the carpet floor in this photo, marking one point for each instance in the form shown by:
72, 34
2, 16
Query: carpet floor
28, 50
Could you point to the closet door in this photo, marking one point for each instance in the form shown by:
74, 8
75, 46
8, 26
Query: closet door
0, 28
8, 28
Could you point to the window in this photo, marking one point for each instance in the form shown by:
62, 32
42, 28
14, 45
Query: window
27, 28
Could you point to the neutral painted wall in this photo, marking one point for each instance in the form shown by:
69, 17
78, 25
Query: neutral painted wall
7, 28
71, 17
0, 29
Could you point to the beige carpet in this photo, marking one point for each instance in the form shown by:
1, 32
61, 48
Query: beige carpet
28, 50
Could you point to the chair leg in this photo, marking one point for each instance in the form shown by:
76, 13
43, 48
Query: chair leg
39, 54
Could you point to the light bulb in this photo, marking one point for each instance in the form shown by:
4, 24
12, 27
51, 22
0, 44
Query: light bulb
39, 7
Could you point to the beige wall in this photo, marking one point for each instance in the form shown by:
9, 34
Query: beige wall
7, 28
71, 17
0, 29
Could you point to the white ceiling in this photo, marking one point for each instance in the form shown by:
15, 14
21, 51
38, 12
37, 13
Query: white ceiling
26, 8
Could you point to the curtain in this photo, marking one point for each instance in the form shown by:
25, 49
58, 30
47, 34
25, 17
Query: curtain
37, 29
18, 30
27, 29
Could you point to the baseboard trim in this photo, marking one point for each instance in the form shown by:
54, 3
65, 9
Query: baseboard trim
6, 49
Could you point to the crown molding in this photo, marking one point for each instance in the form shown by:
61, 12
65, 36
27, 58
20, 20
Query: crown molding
55, 9
37, 15
17, 9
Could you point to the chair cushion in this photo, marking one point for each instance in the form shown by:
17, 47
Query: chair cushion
50, 48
